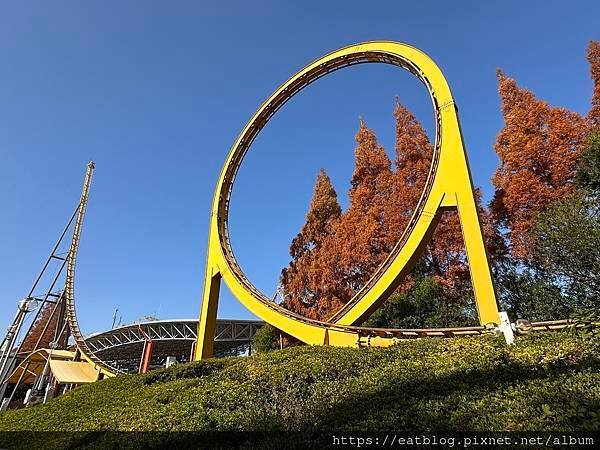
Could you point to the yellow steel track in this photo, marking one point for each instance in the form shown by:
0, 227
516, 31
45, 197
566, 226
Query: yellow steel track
449, 187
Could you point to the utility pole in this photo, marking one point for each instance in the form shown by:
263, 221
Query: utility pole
114, 319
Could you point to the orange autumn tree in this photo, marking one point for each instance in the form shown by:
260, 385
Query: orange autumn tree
301, 293
382, 202
538, 149
363, 237
413, 161
593, 57
355, 243
365, 233
37, 329
445, 257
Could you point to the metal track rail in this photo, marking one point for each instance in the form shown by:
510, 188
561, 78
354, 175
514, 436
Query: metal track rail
441, 193
521, 327
80, 342
267, 113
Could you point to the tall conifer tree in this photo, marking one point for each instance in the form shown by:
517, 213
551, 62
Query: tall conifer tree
413, 161
593, 57
361, 238
445, 258
37, 328
538, 149
301, 294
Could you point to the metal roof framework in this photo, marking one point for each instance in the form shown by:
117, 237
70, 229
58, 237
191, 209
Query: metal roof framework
171, 330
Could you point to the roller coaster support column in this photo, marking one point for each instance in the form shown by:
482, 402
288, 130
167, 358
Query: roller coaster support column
9, 353
210, 300
146, 356
146, 352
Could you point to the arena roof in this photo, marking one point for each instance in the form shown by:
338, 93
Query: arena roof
123, 346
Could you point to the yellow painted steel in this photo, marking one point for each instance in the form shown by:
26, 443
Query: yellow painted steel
449, 186
76, 372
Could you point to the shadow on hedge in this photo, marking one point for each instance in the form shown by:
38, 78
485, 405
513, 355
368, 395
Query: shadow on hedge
441, 404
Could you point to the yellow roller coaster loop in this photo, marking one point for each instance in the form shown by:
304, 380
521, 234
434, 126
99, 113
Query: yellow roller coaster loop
449, 187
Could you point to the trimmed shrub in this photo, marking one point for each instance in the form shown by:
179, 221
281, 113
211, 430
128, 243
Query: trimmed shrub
546, 382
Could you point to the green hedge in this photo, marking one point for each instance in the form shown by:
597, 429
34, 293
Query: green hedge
545, 382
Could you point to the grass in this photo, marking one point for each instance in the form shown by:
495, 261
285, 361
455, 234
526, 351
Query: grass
546, 382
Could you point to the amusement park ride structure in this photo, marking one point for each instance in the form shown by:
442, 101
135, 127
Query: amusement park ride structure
448, 187
63, 315
99, 355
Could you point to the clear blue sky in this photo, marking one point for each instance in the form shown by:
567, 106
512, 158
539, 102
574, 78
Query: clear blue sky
156, 92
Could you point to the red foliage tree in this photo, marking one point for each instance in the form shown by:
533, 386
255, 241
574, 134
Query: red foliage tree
445, 257
413, 161
324, 275
301, 294
593, 57
37, 329
538, 149
355, 244
363, 236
